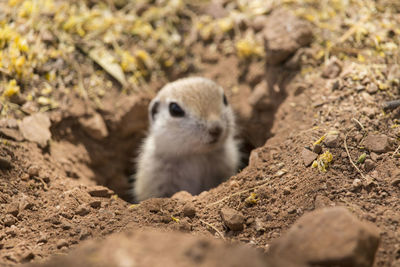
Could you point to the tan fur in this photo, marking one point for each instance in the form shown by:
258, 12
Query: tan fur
180, 153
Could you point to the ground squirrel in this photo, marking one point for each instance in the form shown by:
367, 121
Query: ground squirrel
190, 145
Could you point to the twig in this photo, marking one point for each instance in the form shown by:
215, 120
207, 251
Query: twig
348, 154
397, 149
235, 194
352, 30
214, 228
359, 123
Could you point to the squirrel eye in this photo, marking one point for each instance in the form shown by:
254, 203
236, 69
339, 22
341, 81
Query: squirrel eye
225, 100
154, 109
175, 110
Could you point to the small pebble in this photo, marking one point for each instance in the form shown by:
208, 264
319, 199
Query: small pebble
33, 170
233, 219
317, 149
9, 220
189, 210
5, 163
357, 184
286, 191
95, 204
62, 243
82, 210
369, 165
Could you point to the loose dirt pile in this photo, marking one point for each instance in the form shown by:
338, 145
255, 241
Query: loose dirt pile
307, 80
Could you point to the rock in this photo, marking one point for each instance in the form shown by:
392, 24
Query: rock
82, 210
100, 191
9, 123
5, 163
189, 210
27, 256
35, 128
94, 126
308, 156
369, 165
377, 143
395, 178
62, 243
13, 209
30, 108
33, 170
369, 112
284, 35
233, 219
328, 237
9, 220
259, 225
332, 140
374, 156
332, 68
372, 88
357, 184
286, 191
12, 134
317, 148
95, 204
84, 234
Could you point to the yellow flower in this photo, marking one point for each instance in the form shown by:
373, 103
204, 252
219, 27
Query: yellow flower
11, 89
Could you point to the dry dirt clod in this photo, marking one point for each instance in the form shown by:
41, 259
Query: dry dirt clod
5, 163
233, 219
284, 35
95, 204
377, 143
33, 170
182, 196
357, 184
372, 88
82, 210
317, 148
27, 257
330, 236
9, 220
308, 156
369, 165
13, 209
331, 140
35, 128
94, 126
12, 134
332, 69
395, 178
189, 210
100, 191
62, 243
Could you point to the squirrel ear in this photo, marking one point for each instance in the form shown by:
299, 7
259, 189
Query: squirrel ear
153, 109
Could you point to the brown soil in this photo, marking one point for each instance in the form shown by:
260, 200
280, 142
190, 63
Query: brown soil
56, 209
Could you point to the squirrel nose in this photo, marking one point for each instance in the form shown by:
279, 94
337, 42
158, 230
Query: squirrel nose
215, 131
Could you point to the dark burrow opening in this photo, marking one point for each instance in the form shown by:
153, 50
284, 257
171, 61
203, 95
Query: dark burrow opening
107, 159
